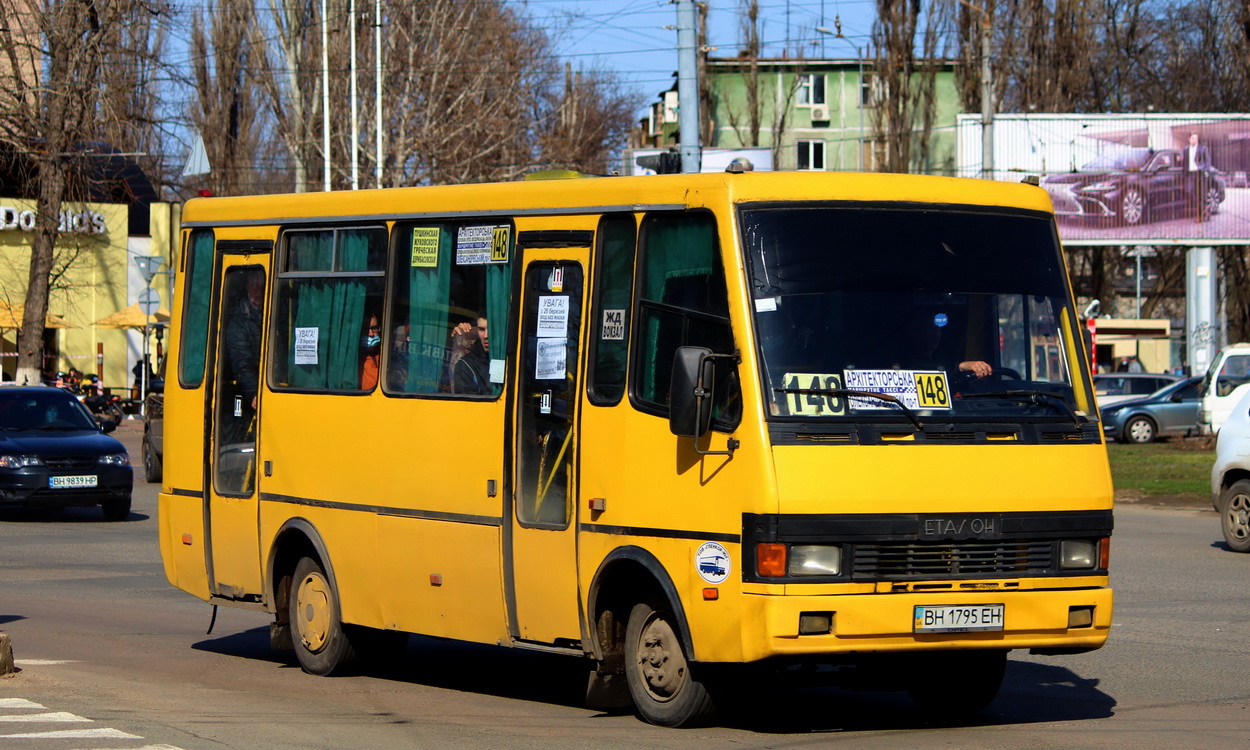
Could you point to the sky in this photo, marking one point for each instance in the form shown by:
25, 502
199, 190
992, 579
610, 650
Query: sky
638, 38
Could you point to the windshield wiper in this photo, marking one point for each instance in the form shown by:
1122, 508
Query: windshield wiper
911, 417
1032, 397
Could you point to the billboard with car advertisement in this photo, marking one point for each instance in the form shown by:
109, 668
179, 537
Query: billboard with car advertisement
1149, 179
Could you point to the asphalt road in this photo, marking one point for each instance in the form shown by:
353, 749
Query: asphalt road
118, 659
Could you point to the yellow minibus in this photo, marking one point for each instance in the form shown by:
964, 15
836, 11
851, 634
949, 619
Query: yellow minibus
679, 426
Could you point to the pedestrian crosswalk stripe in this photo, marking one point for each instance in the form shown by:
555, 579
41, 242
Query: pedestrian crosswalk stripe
73, 734
43, 662
18, 703
52, 716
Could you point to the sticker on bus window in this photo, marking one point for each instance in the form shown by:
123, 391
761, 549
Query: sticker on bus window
499, 244
478, 245
915, 389
808, 394
425, 247
553, 316
552, 359
613, 326
712, 561
306, 345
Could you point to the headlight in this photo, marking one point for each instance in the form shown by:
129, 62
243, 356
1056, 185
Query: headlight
115, 459
1100, 187
18, 462
1078, 554
815, 560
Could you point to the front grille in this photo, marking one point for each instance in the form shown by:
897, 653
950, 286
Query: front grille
71, 462
894, 560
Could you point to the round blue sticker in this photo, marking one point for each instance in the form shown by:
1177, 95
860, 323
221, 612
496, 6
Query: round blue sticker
940, 320
712, 561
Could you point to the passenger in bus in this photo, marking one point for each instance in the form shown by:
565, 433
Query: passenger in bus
243, 337
371, 347
923, 336
470, 372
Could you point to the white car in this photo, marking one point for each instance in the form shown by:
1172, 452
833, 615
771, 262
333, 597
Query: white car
1226, 381
1230, 477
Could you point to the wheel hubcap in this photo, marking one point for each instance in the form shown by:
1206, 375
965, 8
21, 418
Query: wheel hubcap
313, 612
1132, 208
1237, 517
1141, 431
661, 662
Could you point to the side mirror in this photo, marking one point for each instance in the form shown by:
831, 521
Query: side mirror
690, 392
107, 426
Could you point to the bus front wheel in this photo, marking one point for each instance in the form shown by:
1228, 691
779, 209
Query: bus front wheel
321, 645
658, 673
953, 685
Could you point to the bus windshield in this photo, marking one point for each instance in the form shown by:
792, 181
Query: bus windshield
936, 314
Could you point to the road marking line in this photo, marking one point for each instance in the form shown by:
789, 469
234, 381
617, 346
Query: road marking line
18, 703
43, 662
145, 747
58, 716
73, 734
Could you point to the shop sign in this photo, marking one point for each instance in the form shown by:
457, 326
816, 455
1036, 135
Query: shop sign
72, 222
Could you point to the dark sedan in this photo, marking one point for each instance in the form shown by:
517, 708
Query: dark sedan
54, 454
1132, 186
1171, 410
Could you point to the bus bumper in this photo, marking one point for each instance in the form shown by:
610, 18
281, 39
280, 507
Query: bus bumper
1065, 620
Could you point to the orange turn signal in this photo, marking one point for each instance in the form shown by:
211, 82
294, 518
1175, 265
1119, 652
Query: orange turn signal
770, 560
1104, 553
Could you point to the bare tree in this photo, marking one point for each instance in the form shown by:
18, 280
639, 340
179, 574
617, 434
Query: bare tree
581, 125
227, 111
905, 102
293, 87
55, 54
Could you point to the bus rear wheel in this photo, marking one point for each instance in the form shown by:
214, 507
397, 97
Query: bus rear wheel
321, 644
658, 673
953, 685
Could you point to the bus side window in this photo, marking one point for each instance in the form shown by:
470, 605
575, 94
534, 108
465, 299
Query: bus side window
609, 339
682, 301
198, 294
329, 287
449, 280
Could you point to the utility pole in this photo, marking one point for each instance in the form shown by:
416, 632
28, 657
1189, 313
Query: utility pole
987, 99
688, 88
987, 91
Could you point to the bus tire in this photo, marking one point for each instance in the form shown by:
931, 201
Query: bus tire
980, 675
321, 644
659, 674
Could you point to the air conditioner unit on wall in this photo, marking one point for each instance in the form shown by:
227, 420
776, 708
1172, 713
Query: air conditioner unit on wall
820, 112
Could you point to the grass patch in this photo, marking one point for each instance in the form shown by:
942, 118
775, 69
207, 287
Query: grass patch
1161, 469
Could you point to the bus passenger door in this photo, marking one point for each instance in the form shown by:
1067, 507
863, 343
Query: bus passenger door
233, 511
542, 566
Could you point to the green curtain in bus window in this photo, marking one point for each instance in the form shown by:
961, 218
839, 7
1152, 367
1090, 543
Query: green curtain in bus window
329, 309
429, 288
198, 290
310, 251
347, 312
678, 257
498, 293
361, 249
